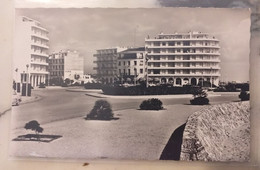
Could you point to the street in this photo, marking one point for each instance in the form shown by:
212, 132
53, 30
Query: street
135, 135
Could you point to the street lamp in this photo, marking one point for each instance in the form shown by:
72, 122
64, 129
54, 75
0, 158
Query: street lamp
27, 77
146, 61
211, 77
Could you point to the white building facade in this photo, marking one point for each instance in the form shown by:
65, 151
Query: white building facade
30, 52
183, 58
131, 64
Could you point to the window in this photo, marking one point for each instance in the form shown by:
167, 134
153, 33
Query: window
141, 71
156, 43
171, 44
156, 71
156, 64
119, 63
124, 63
129, 63
163, 43
129, 71
186, 43
171, 71
135, 63
119, 71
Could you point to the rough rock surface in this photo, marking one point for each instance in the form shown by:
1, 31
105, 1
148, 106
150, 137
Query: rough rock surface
218, 133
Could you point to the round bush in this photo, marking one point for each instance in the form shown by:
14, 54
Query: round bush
244, 96
199, 101
151, 104
101, 111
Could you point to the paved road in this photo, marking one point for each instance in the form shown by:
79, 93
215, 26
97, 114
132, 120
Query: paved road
59, 104
135, 135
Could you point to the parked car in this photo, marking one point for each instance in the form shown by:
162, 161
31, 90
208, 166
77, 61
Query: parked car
16, 99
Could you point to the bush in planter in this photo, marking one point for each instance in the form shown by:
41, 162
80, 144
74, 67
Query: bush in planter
101, 111
151, 104
244, 96
200, 97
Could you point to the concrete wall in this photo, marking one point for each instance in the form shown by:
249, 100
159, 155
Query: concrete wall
218, 133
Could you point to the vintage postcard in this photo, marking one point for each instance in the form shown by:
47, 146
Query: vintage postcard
131, 84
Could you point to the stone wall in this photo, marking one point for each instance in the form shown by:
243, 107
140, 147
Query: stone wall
218, 133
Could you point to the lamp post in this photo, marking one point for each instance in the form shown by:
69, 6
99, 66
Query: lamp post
27, 77
211, 77
16, 78
202, 78
146, 61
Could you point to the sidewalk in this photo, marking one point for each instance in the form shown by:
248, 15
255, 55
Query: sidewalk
29, 99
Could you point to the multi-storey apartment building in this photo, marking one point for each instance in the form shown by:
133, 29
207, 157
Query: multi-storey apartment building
66, 65
106, 60
30, 52
183, 58
131, 64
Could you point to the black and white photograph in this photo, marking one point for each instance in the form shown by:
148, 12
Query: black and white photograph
131, 84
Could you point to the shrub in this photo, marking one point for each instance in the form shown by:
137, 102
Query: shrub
101, 111
199, 101
151, 104
244, 96
200, 97
34, 126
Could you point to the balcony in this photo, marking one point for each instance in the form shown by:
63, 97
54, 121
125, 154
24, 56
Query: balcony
181, 53
38, 35
39, 63
39, 53
38, 44
183, 46
183, 75
38, 72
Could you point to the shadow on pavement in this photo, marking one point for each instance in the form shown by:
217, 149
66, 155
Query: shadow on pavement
172, 149
113, 118
37, 138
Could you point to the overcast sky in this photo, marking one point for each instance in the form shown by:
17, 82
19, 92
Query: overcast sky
89, 29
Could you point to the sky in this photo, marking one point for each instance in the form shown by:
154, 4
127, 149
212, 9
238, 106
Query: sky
89, 29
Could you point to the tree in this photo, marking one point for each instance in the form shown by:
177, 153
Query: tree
34, 126
101, 111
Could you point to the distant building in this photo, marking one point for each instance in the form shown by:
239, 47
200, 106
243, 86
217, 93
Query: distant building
30, 52
66, 65
183, 58
131, 64
106, 60
87, 78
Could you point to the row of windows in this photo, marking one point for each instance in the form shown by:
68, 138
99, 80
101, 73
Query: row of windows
180, 57
181, 43
128, 71
185, 71
129, 63
56, 61
185, 50
188, 64
56, 73
56, 67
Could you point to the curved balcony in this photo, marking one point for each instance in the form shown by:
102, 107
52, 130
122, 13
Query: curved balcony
179, 53
40, 45
38, 53
39, 63
184, 61
183, 47
38, 35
